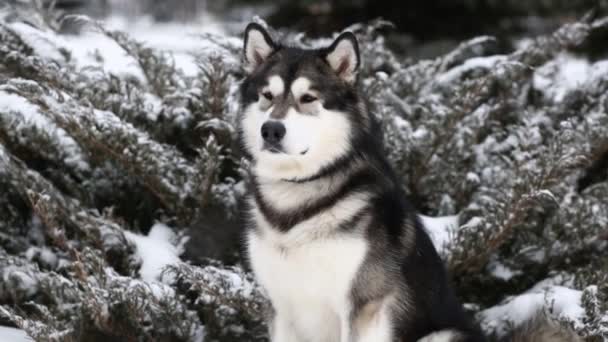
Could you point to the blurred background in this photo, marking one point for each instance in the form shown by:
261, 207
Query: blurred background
422, 29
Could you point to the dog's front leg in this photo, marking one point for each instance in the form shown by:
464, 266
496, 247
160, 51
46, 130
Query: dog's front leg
346, 325
373, 323
281, 329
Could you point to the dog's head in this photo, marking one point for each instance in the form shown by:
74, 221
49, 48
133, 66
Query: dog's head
301, 108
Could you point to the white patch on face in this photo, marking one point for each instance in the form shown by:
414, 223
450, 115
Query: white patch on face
253, 119
276, 85
257, 113
300, 87
299, 127
311, 142
314, 137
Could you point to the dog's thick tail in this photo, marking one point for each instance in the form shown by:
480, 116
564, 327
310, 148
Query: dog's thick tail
542, 329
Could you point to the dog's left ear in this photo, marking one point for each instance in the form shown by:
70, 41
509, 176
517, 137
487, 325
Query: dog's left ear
343, 56
258, 45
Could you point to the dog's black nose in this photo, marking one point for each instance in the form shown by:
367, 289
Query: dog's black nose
273, 132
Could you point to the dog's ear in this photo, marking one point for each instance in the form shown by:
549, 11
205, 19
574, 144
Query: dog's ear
258, 45
343, 56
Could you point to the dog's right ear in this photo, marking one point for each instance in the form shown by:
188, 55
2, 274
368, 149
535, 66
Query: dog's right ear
343, 56
258, 45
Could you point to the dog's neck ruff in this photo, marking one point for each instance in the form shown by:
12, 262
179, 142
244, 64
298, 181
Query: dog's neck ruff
327, 171
342, 183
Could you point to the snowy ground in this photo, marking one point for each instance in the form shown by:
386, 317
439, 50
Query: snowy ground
565, 303
13, 335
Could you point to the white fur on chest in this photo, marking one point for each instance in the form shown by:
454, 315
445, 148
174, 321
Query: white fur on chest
310, 283
308, 278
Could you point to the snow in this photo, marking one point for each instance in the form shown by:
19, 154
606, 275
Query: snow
472, 177
599, 71
90, 49
44, 43
43, 254
232, 282
11, 104
162, 36
94, 49
20, 279
470, 64
421, 133
8, 334
562, 75
502, 271
440, 229
558, 301
534, 254
156, 251
19, 110
561, 279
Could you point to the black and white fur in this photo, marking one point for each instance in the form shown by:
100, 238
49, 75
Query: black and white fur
331, 237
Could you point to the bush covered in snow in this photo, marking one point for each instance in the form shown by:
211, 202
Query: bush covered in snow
111, 151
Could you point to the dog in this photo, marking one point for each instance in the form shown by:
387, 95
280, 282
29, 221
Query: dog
331, 236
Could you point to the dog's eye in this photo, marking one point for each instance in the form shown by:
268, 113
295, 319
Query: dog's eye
307, 98
267, 95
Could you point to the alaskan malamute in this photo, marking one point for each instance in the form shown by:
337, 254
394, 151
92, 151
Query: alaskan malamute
331, 236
